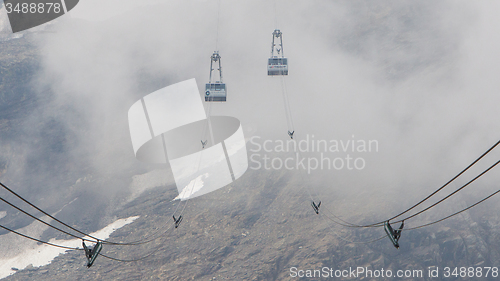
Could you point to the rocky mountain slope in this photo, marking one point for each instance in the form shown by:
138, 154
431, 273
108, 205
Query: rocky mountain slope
260, 227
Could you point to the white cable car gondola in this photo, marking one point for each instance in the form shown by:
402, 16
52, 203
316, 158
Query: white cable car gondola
277, 63
215, 91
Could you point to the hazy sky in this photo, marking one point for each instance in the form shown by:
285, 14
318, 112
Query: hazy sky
419, 77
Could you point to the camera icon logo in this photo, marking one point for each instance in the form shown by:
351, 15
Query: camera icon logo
169, 126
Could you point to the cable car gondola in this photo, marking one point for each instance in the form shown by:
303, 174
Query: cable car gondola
277, 63
215, 91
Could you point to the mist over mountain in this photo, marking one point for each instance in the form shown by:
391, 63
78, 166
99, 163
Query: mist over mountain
419, 78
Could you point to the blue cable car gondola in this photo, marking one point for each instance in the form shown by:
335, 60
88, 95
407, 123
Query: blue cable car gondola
277, 63
215, 91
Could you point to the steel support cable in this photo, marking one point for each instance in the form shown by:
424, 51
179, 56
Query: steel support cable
38, 240
451, 194
312, 199
220, 75
342, 223
440, 220
103, 241
194, 182
197, 169
283, 85
275, 16
159, 247
78, 249
143, 257
456, 213
71, 248
290, 124
302, 178
286, 102
438, 202
138, 259
459, 174
291, 128
203, 131
349, 241
205, 127
46, 223
70, 227
378, 224
287, 109
146, 239
427, 224
47, 214
142, 241
340, 237
218, 18
149, 254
